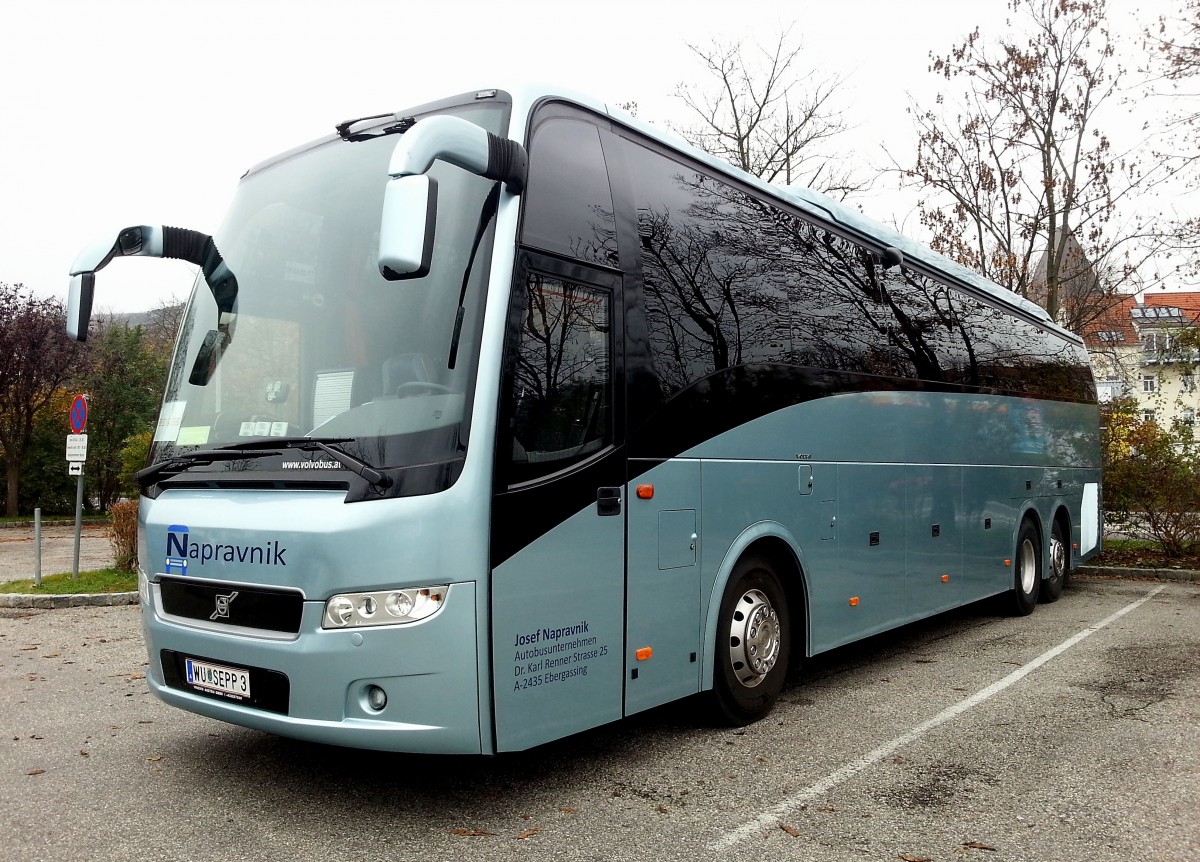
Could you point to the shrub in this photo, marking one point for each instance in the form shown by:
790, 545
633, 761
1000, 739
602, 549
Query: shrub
122, 532
1152, 480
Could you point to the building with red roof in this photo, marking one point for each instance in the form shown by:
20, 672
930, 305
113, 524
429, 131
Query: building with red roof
1145, 347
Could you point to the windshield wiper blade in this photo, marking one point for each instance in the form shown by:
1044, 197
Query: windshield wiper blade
322, 444
173, 466
262, 447
284, 443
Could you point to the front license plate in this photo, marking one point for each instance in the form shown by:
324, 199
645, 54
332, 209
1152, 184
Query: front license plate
229, 681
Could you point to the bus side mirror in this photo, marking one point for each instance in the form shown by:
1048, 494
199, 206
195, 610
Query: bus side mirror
79, 305
410, 198
406, 229
145, 240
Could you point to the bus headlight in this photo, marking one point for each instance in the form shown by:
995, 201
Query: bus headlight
389, 607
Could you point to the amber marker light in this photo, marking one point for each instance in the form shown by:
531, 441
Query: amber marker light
854, 601
645, 492
644, 653
945, 579
1008, 562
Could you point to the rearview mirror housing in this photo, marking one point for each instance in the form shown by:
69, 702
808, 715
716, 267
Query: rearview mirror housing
406, 229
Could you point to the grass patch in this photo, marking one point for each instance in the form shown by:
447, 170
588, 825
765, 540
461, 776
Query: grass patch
96, 581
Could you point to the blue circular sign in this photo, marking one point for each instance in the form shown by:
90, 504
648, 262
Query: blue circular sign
79, 412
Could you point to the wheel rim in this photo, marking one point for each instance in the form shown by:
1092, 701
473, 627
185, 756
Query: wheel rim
1028, 563
1058, 557
753, 638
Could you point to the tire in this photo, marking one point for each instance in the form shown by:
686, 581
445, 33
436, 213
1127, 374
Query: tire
1060, 566
1027, 570
754, 636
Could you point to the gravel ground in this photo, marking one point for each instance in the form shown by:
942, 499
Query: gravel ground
18, 554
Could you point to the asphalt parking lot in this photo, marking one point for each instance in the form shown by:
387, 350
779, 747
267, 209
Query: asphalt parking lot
1073, 734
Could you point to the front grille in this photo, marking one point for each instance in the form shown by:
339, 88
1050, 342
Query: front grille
233, 605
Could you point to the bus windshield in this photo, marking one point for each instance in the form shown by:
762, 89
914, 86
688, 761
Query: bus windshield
319, 343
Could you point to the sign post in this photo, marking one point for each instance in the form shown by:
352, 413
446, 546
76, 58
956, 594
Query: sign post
76, 456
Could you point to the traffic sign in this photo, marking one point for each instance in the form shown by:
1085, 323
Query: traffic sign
75, 468
79, 414
76, 448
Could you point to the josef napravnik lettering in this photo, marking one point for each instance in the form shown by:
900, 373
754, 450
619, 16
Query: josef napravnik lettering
548, 634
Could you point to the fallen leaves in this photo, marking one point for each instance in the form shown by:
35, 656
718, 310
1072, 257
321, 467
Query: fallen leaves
910, 858
790, 830
978, 845
36, 772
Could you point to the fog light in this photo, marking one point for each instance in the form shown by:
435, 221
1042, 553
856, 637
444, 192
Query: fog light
376, 698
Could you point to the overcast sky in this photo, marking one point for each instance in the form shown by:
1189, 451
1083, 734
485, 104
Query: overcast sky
119, 113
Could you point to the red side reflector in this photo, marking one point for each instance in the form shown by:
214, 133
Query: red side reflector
645, 492
945, 579
1008, 562
644, 653
854, 601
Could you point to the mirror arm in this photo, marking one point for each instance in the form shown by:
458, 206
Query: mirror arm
146, 241
463, 144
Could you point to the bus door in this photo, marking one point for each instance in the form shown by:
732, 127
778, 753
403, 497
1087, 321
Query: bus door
558, 515
662, 646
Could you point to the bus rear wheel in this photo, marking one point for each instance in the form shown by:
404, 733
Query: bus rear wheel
1060, 564
753, 643
1027, 570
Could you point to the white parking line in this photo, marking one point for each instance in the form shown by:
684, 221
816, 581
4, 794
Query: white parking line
772, 816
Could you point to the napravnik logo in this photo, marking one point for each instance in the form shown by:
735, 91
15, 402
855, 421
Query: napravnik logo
182, 550
177, 545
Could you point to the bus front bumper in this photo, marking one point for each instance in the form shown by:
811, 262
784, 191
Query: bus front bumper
427, 672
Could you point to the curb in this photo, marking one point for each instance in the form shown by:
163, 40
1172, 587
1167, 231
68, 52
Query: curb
1187, 575
76, 600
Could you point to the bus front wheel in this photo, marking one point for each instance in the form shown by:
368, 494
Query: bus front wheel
753, 641
1027, 570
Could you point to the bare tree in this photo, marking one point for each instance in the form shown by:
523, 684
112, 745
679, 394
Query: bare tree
759, 110
1021, 183
1174, 69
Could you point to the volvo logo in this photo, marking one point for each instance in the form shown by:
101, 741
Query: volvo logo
223, 603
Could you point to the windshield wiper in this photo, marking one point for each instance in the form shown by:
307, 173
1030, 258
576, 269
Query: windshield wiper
179, 463
402, 125
261, 446
485, 218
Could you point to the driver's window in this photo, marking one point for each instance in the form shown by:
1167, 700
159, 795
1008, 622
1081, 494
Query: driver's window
561, 385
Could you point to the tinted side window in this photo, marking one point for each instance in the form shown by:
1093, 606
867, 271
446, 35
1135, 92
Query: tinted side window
568, 206
561, 390
713, 298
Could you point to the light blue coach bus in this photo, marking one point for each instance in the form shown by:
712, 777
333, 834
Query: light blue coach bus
506, 416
